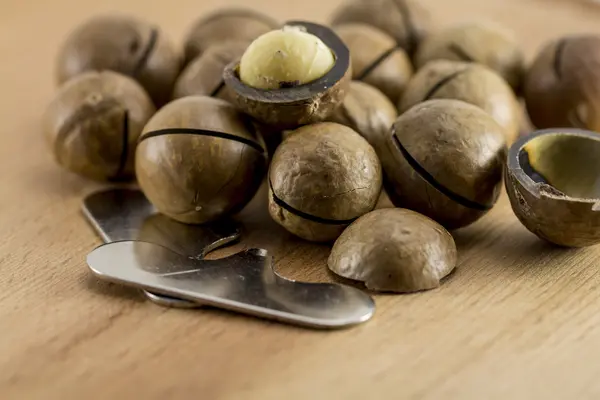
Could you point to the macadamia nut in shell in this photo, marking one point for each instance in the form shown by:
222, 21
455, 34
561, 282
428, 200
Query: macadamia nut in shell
444, 159
322, 177
94, 122
123, 44
199, 159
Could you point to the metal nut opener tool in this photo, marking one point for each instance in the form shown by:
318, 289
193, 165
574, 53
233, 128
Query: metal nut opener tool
165, 259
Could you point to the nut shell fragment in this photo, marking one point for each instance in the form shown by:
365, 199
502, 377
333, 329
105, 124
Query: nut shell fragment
394, 250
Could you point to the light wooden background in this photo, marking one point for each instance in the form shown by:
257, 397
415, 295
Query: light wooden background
518, 320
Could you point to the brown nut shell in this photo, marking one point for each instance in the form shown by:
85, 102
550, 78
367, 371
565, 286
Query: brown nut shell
552, 182
123, 44
204, 75
321, 178
563, 84
235, 24
368, 111
290, 107
483, 43
199, 159
444, 159
376, 59
472, 83
394, 250
94, 122
404, 20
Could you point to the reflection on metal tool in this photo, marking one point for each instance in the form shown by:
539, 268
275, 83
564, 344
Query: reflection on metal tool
165, 266
125, 214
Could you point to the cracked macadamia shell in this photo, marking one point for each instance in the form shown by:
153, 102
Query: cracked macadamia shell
204, 75
471, 83
123, 44
93, 124
368, 111
291, 106
483, 43
562, 88
444, 159
404, 20
322, 177
394, 250
376, 59
224, 26
553, 183
199, 159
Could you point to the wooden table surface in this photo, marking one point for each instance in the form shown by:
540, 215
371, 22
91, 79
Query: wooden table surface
518, 320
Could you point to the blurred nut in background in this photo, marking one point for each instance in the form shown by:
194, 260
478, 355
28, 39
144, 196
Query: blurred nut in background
483, 43
123, 44
94, 122
444, 159
321, 178
394, 250
368, 111
471, 83
376, 59
404, 20
563, 84
199, 159
275, 81
552, 182
204, 75
227, 25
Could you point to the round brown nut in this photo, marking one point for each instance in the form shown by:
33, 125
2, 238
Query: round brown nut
94, 122
226, 25
444, 159
321, 178
552, 182
293, 102
471, 83
394, 250
485, 44
368, 111
123, 44
404, 20
563, 84
199, 159
376, 59
204, 75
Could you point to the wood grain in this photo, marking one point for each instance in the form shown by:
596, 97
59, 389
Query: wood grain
519, 319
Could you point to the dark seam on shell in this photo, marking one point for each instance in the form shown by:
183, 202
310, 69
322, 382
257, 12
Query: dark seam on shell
147, 52
557, 64
411, 34
460, 52
376, 63
218, 89
203, 132
433, 182
124, 148
85, 113
304, 215
435, 88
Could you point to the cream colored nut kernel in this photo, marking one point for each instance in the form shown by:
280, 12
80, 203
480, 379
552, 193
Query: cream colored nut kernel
285, 58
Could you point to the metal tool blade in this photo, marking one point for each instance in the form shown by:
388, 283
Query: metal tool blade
126, 214
244, 282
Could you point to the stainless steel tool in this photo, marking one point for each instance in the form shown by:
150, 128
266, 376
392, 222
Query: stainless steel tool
165, 258
125, 214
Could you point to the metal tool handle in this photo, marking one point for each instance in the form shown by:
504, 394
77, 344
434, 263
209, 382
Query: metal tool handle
244, 282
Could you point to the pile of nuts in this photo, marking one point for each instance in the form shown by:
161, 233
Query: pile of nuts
333, 115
